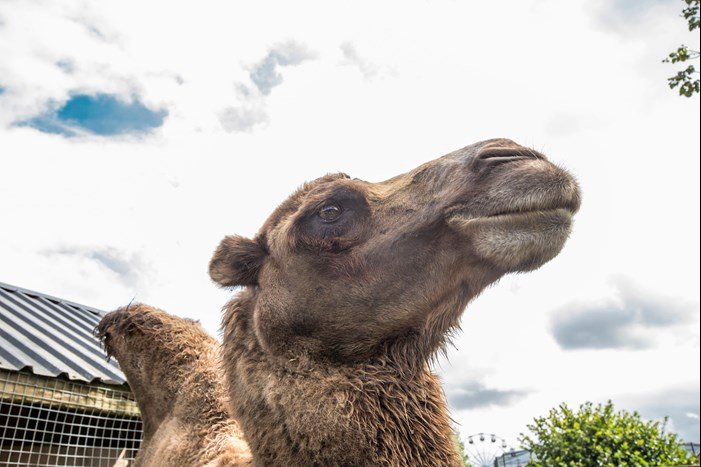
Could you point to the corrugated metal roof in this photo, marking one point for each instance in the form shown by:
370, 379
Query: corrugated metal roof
50, 336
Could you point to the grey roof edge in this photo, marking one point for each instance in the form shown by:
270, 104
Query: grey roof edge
15, 288
33, 338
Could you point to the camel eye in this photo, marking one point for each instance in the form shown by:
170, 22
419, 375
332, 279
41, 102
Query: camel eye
330, 212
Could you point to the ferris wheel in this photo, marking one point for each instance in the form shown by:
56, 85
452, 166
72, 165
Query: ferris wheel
483, 449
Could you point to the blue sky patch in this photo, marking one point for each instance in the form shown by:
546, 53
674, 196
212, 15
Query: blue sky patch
101, 114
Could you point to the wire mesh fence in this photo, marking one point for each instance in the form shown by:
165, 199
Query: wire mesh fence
56, 422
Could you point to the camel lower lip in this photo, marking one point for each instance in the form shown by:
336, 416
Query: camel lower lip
557, 215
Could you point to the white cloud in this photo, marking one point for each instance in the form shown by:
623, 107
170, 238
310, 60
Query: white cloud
630, 320
266, 74
129, 269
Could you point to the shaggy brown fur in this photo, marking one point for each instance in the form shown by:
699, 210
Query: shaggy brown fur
172, 367
352, 287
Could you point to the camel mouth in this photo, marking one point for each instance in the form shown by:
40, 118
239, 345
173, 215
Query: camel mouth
555, 204
465, 212
545, 216
563, 213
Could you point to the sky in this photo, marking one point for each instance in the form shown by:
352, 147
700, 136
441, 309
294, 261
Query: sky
135, 135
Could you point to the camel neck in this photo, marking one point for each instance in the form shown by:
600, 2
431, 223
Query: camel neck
298, 412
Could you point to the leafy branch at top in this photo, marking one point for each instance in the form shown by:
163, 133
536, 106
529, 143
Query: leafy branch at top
687, 80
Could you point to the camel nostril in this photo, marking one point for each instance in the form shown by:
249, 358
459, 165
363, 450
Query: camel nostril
501, 155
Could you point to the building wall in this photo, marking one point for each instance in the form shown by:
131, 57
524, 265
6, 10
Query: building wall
52, 421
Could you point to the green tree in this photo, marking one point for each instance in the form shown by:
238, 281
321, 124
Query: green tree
598, 436
687, 79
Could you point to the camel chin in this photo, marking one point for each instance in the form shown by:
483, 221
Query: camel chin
516, 242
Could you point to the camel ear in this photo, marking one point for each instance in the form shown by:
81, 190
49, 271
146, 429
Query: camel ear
236, 261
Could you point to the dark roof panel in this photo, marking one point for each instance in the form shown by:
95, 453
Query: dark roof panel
50, 336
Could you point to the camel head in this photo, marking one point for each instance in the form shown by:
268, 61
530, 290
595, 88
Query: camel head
348, 271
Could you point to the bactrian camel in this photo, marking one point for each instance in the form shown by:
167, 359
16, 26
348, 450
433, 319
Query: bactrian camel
172, 366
